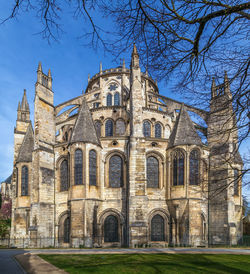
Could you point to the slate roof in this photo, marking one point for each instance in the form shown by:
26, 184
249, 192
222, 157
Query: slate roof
27, 147
8, 180
84, 129
184, 132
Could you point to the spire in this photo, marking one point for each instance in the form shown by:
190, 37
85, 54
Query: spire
24, 104
49, 73
123, 64
19, 106
135, 58
39, 67
213, 88
146, 71
84, 129
27, 147
100, 67
184, 132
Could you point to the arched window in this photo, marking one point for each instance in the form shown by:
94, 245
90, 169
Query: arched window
157, 130
109, 128
64, 175
115, 171
78, 167
117, 99
25, 181
120, 127
178, 168
111, 229
98, 128
152, 172
66, 230
92, 168
194, 167
109, 99
146, 129
157, 228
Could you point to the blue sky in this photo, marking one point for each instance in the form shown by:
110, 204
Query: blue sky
70, 62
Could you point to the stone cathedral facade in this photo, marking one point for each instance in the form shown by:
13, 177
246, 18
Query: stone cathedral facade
122, 165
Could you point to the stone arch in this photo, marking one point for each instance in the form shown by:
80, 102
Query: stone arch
165, 216
62, 218
120, 225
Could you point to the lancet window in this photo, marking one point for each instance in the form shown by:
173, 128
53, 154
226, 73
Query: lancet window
120, 127
78, 167
158, 130
109, 99
178, 168
109, 128
98, 127
236, 182
92, 167
152, 172
115, 171
194, 167
146, 129
117, 99
64, 175
25, 181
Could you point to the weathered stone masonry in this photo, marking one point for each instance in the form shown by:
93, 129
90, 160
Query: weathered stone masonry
122, 165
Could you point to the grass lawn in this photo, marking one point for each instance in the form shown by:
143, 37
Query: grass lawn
150, 263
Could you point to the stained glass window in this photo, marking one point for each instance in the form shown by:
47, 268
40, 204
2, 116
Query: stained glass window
157, 130
64, 175
24, 181
66, 230
78, 167
117, 99
178, 168
120, 127
109, 128
92, 168
146, 129
113, 86
194, 167
109, 99
98, 128
236, 182
115, 171
111, 229
152, 172
157, 228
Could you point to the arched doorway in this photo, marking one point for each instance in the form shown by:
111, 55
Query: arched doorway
111, 229
157, 228
66, 230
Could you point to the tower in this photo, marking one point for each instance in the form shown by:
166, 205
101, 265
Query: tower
42, 196
224, 200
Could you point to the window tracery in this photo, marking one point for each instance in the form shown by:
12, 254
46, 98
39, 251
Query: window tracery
64, 175
178, 168
78, 167
92, 167
109, 128
146, 129
152, 172
24, 181
194, 167
115, 171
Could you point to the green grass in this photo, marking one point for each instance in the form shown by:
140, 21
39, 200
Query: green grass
150, 263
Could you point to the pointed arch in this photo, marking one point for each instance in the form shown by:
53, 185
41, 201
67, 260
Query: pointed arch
147, 129
194, 167
78, 167
158, 130
109, 128
117, 99
109, 99
178, 167
64, 181
25, 181
115, 171
92, 168
152, 172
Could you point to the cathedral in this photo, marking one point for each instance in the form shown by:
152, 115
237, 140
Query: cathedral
122, 165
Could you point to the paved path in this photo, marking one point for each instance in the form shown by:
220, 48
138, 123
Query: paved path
34, 264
